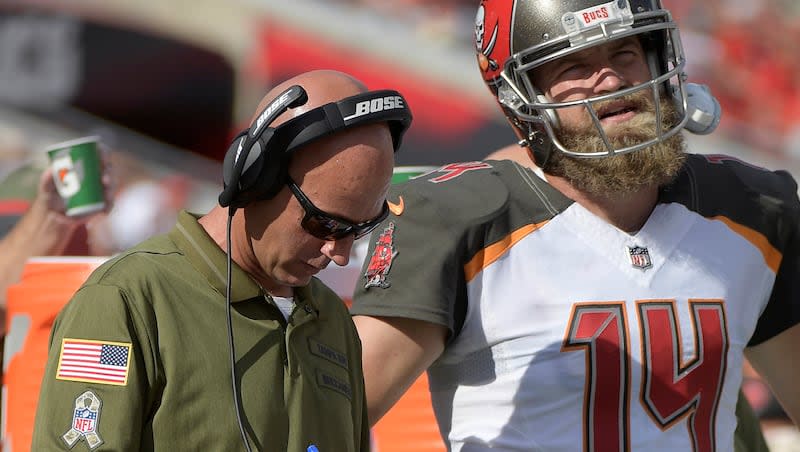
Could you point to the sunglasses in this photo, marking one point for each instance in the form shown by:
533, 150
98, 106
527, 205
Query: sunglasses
325, 226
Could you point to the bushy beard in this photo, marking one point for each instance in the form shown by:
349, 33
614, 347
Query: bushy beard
618, 175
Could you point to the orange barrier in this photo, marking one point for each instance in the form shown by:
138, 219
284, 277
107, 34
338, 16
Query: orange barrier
46, 284
410, 424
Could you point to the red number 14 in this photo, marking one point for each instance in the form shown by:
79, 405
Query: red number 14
672, 389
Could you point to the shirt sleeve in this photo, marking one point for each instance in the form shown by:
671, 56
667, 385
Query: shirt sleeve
422, 261
95, 387
412, 268
783, 309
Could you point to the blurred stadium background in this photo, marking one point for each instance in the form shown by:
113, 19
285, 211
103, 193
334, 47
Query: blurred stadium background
167, 83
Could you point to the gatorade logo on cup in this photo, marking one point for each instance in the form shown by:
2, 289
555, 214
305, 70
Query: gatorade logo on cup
67, 176
77, 174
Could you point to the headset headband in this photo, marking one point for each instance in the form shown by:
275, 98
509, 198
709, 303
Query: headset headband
365, 108
255, 164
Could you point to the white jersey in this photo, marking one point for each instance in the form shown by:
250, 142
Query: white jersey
569, 334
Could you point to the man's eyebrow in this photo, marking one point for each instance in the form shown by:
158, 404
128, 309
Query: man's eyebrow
624, 42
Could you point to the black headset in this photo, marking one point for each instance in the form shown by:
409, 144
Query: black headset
256, 162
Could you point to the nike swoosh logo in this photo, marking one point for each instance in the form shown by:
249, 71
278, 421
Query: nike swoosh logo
398, 208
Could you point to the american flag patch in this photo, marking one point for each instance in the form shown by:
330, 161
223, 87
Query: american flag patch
94, 361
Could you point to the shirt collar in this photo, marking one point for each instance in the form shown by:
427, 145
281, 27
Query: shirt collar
209, 259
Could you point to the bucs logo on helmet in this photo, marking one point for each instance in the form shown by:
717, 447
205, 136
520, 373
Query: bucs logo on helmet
492, 34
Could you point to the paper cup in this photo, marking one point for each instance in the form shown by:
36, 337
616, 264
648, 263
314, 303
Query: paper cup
77, 173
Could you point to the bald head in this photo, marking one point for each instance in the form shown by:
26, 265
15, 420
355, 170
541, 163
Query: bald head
343, 171
356, 145
322, 87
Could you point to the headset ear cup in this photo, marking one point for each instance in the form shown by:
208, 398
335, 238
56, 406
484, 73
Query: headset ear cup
230, 179
263, 173
271, 171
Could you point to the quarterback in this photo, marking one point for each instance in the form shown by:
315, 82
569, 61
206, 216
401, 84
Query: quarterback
606, 301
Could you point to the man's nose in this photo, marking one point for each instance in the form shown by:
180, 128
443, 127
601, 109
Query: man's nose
338, 250
608, 80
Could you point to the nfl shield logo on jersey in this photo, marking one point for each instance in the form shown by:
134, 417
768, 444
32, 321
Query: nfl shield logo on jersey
640, 257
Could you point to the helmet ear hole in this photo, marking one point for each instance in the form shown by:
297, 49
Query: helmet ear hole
533, 137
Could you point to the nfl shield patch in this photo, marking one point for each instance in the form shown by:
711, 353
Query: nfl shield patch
85, 418
640, 257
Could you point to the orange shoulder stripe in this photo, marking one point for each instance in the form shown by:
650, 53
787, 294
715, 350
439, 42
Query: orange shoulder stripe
772, 257
493, 252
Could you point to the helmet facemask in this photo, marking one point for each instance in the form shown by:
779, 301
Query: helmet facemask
535, 116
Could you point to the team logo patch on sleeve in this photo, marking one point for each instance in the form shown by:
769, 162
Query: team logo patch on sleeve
381, 260
94, 361
85, 419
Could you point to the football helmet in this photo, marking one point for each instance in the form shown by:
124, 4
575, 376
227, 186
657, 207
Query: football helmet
514, 37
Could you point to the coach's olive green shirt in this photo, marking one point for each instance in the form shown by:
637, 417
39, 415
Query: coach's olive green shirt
139, 360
